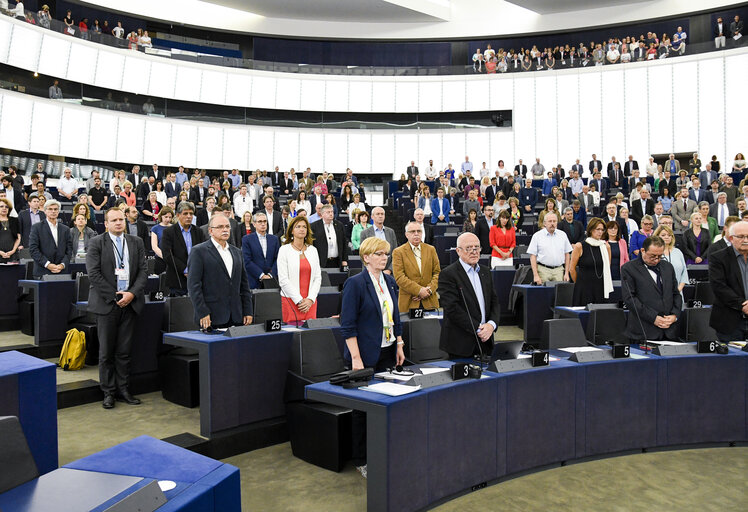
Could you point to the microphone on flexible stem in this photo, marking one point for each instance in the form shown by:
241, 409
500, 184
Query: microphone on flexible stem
472, 327
636, 311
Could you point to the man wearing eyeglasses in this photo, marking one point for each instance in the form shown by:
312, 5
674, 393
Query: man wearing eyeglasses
650, 290
415, 267
471, 306
217, 280
728, 275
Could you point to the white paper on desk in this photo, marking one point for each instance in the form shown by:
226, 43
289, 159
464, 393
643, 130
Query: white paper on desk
428, 371
393, 376
390, 389
638, 356
576, 308
290, 329
574, 350
737, 36
663, 342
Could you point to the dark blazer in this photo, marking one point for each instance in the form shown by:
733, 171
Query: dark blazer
24, 223
579, 232
601, 186
690, 243
100, 264
714, 212
255, 263
226, 299
276, 228
629, 167
313, 202
482, 231
286, 185
429, 238
360, 316
703, 176
412, 171
19, 201
491, 193
621, 178
320, 240
171, 189
640, 293
131, 179
235, 234
717, 246
143, 232
201, 217
636, 210
528, 196
727, 285
144, 189
195, 195
43, 248
599, 165
692, 195
175, 254
671, 186
522, 169
458, 335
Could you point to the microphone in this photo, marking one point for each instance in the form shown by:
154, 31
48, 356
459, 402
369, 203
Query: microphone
636, 311
472, 326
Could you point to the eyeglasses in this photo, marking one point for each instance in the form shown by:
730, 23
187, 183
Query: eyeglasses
475, 248
413, 232
381, 253
260, 222
740, 237
222, 226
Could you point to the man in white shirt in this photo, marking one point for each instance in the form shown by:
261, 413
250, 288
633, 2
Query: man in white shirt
329, 239
484, 171
67, 185
118, 31
549, 252
242, 202
467, 165
431, 172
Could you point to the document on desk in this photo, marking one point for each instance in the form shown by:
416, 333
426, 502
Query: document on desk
663, 342
426, 370
390, 389
574, 350
393, 376
528, 356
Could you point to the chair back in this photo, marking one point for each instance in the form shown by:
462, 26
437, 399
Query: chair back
563, 295
422, 341
267, 305
180, 315
562, 332
82, 287
315, 355
606, 325
697, 325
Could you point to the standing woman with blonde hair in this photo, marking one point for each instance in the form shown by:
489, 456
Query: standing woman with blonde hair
299, 273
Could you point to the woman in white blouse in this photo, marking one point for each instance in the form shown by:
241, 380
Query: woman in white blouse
303, 204
651, 167
299, 273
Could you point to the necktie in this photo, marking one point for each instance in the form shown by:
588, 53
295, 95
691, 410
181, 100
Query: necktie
121, 283
721, 215
656, 270
685, 205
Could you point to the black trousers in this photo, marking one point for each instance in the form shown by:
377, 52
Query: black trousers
332, 263
739, 334
115, 331
358, 418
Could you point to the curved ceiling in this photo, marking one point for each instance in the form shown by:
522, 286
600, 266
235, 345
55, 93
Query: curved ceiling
402, 19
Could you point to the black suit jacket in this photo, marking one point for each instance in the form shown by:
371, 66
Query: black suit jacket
602, 187
482, 231
630, 166
671, 186
43, 249
640, 293
727, 285
717, 246
226, 299
522, 169
458, 333
491, 194
579, 232
636, 210
612, 178
429, 238
320, 240
599, 165
412, 171
131, 179
175, 254
690, 243
142, 232
195, 195
100, 264
24, 223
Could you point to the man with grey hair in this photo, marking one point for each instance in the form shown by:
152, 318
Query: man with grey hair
379, 230
427, 233
67, 186
329, 239
574, 229
728, 275
177, 241
549, 252
722, 209
50, 243
415, 267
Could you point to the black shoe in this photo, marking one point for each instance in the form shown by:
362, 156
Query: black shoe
108, 402
126, 397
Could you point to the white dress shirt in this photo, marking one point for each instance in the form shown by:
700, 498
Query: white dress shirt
332, 241
225, 254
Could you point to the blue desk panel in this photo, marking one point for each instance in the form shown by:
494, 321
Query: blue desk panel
28, 390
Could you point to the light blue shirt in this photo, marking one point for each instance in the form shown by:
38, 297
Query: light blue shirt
379, 233
576, 185
474, 277
466, 166
122, 259
236, 179
181, 178
187, 235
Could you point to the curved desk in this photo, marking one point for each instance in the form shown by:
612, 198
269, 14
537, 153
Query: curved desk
431, 444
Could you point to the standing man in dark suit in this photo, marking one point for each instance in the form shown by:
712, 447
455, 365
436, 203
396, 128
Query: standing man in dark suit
50, 244
260, 252
642, 207
577, 167
199, 193
135, 177
615, 175
217, 280
600, 185
520, 169
595, 165
707, 176
611, 215
277, 177
483, 228
28, 218
412, 170
724, 241
728, 275
492, 191
650, 290
465, 282
630, 166
156, 173
136, 226
177, 242
118, 274
235, 238
329, 239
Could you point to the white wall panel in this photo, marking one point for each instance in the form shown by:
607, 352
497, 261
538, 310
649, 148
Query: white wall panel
523, 121
406, 149
183, 145
162, 81
567, 105
477, 148
383, 96
429, 144
406, 99
359, 151
53, 58
235, 148
477, 95
286, 148
313, 95
382, 152
188, 84
711, 110
453, 149
157, 147
45, 128
685, 107
430, 97
102, 144
136, 75
311, 150
109, 67
660, 108
336, 151
24, 47
261, 148
209, 140
502, 148
263, 92
546, 126
501, 91
82, 63
336, 96
637, 115
360, 96
453, 95
74, 131
590, 116
288, 95
239, 89
213, 89
131, 139
5, 43
613, 115
736, 138
16, 128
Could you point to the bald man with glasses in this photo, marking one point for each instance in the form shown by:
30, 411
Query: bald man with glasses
416, 269
217, 280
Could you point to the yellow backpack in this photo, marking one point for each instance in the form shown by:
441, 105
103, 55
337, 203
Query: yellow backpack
73, 355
